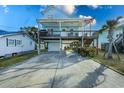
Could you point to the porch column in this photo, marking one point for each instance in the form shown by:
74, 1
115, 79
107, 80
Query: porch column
38, 38
83, 28
60, 35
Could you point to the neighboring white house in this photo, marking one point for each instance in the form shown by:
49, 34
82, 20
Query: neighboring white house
14, 43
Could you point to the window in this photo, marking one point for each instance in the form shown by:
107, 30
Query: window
10, 42
18, 42
23, 35
13, 42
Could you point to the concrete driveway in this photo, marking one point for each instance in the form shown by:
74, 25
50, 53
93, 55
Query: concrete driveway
55, 69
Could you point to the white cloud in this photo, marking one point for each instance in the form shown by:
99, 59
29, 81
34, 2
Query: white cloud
109, 7
94, 6
94, 22
69, 9
4, 5
43, 7
101, 7
5, 9
88, 17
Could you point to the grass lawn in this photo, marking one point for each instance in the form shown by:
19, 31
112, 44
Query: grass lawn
114, 64
16, 59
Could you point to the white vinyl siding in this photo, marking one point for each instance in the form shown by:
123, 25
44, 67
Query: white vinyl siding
15, 44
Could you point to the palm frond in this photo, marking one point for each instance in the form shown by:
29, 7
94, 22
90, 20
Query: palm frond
111, 23
118, 18
105, 27
100, 31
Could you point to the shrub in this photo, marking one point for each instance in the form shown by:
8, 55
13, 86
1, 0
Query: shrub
75, 45
66, 48
87, 51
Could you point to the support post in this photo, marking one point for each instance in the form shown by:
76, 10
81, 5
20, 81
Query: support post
82, 39
97, 42
38, 38
60, 36
82, 35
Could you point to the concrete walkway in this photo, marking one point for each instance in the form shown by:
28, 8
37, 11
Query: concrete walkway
54, 69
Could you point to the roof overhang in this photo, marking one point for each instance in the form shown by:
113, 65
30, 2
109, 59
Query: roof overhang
120, 25
64, 22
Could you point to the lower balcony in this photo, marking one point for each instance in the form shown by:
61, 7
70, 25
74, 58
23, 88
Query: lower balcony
71, 35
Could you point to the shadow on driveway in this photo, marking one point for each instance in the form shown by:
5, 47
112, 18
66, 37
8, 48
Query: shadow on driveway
93, 78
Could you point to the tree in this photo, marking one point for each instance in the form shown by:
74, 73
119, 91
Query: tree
109, 26
31, 31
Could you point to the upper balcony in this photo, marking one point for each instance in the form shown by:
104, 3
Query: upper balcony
67, 34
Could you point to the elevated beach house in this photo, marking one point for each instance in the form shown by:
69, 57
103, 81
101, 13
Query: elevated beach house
57, 29
15, 43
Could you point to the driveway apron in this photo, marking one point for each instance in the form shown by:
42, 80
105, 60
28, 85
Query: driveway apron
59, 70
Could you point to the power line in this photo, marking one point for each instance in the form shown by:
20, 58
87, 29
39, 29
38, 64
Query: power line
25, 23
28, 19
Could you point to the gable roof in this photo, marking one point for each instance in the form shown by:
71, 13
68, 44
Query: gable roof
5, 34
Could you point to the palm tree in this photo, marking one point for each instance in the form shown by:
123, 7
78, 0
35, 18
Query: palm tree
110, 26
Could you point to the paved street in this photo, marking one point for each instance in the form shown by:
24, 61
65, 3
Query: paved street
58, 70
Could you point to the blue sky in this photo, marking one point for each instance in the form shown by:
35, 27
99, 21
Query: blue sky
13, 17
